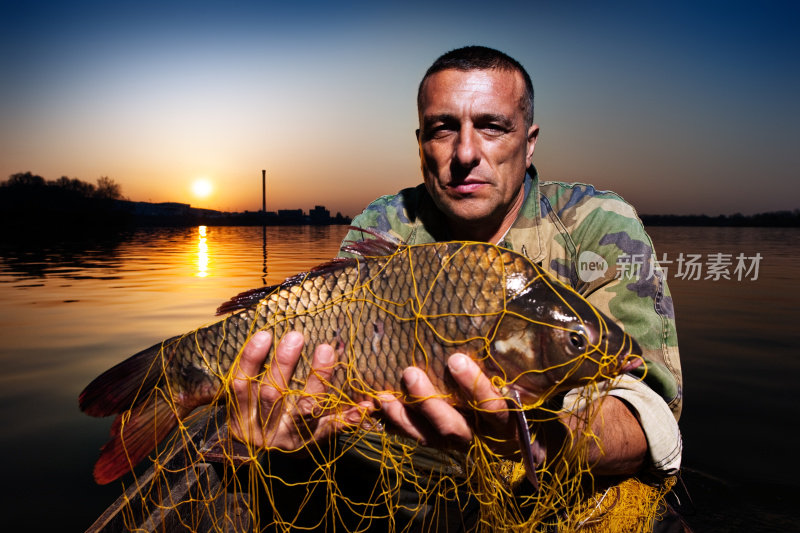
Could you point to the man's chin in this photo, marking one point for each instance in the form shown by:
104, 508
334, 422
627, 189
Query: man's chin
469, 213
468, 224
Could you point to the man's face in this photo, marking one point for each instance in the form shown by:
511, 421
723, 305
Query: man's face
475, 146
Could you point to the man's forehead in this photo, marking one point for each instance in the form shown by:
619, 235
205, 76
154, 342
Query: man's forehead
453, 84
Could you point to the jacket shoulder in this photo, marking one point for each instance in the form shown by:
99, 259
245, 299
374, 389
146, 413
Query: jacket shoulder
581, 200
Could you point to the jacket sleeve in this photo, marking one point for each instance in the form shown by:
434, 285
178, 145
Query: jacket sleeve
633, 291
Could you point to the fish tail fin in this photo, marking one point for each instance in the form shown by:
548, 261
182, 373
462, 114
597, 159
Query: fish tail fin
132, 389
135, 433
124, 385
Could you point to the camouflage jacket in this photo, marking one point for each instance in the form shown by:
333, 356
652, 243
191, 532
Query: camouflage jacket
593, 241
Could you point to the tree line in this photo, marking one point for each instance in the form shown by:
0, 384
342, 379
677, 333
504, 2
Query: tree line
27, 183
28, 202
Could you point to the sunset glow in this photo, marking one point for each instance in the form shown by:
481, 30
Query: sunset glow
202, 188
646, 102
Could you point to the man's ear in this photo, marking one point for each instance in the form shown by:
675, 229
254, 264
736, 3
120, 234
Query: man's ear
533, 135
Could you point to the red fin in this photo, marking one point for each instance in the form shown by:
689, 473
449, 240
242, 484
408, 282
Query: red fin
251, 297
245, 299
118, 388
384, 243
135, 434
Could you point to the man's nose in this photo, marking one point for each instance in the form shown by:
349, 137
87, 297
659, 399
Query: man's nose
467, 148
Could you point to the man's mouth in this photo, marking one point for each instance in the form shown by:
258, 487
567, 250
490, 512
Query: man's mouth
468, 186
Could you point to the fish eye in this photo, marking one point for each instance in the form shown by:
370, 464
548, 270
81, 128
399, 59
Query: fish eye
577, 340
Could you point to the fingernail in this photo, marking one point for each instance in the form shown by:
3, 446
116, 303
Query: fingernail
325, 354
457, 363
384, 398
410, 376
293, 339
259, 339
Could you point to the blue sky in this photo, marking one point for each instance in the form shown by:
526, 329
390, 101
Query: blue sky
680, 107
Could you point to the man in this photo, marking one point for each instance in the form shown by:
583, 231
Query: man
476, 140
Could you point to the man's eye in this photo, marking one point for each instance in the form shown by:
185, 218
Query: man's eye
494, 128
439, 130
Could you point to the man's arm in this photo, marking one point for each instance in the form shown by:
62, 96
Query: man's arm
620, 447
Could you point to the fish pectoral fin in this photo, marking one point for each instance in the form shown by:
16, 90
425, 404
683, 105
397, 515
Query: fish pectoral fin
526, 448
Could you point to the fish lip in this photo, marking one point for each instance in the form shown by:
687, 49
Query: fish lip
631, 362
525, 397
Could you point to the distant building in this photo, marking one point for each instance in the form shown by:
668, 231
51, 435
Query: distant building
291, 216
179, 214
319, 215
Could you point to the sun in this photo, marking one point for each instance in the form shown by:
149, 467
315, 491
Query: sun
202, 188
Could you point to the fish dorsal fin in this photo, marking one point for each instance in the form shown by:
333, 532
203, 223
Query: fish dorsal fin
245, 299
251, 297
384, 243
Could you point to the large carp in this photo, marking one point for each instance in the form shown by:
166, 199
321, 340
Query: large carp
391, 307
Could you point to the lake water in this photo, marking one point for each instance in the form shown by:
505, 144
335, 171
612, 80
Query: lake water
74, 306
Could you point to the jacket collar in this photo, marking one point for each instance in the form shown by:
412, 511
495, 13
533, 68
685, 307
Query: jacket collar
526, 233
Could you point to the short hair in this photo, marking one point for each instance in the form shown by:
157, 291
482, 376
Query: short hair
480, 58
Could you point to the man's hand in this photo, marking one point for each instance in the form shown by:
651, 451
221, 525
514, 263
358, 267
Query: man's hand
620, 448
434, 422
272, 415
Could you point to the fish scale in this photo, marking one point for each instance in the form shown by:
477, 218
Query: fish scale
382, 314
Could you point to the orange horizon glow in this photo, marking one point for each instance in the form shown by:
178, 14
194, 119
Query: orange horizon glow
332, 119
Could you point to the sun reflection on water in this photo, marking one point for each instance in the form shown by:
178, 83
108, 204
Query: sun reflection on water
202, 253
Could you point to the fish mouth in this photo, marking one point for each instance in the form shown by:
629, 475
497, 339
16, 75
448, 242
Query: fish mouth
630, 362
631, 358
513, 391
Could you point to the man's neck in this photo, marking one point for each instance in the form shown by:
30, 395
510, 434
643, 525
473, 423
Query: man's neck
480, 232
488, 231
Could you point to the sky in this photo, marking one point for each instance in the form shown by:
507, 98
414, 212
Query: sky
680, 107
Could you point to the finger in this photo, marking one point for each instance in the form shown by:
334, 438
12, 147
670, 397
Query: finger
253, 356
476, 384
445, 420
249, 366
494, 423
282, 367
313, 400
355, 416
244, 421
397, 414
321, 369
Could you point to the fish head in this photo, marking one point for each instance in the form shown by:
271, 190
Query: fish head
550, 339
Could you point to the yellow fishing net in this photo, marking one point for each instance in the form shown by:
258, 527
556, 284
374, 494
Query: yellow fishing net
368, 479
